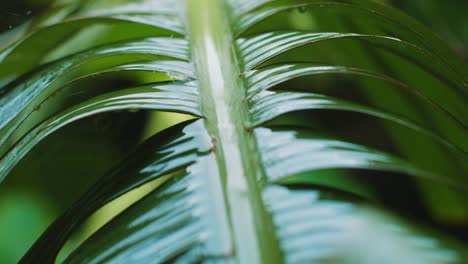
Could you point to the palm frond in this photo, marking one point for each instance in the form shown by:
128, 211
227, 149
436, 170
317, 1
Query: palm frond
241, 183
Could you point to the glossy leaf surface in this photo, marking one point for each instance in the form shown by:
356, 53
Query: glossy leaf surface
322, 131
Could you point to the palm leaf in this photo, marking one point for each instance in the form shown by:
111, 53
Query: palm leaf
243, 181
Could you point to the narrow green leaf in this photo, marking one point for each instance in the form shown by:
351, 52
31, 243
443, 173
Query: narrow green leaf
176, 223
268, 105
20, 103
268, 77
286, 152
31, 49
167, 152
171, 97
314, 230
261, 48
395, 23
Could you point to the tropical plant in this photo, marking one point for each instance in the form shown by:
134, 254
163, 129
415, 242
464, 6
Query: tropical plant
318, 128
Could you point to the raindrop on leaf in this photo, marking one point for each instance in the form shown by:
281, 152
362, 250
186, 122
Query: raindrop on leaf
303, 8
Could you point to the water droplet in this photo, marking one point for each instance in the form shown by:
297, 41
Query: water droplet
10, 27
303, 8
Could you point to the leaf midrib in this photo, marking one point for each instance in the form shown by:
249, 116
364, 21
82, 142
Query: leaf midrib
226, 117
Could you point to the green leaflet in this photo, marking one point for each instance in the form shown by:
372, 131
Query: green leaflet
29, 100
274, 104
170, 97
34, 92
174, 223
391, 21
31, 48
259, 49
271, 76
170, 151
314, 228
290, 151
268, 105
